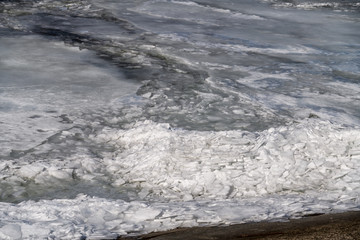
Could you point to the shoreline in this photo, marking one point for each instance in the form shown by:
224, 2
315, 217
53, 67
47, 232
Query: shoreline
334, 226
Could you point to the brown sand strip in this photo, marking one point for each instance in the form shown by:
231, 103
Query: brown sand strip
341, 226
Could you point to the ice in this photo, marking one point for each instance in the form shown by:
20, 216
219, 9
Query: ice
188, 8
123, 118
42, 88
177, 172
11, 231
312, 5
105, 218
274, 161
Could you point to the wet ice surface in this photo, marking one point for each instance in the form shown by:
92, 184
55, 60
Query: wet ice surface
132, 117
43, 83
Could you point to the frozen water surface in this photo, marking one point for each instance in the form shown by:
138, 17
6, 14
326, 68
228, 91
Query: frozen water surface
126, 117
44, 82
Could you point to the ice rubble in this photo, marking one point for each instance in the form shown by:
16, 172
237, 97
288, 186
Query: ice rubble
99, 218
233, 164
182, 178
191, 178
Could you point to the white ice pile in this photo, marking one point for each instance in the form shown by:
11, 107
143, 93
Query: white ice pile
99, 218
192, 178
176, 164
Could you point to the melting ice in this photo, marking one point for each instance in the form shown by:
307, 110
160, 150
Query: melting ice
132, 117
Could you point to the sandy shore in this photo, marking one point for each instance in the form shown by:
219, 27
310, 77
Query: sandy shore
340, 226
